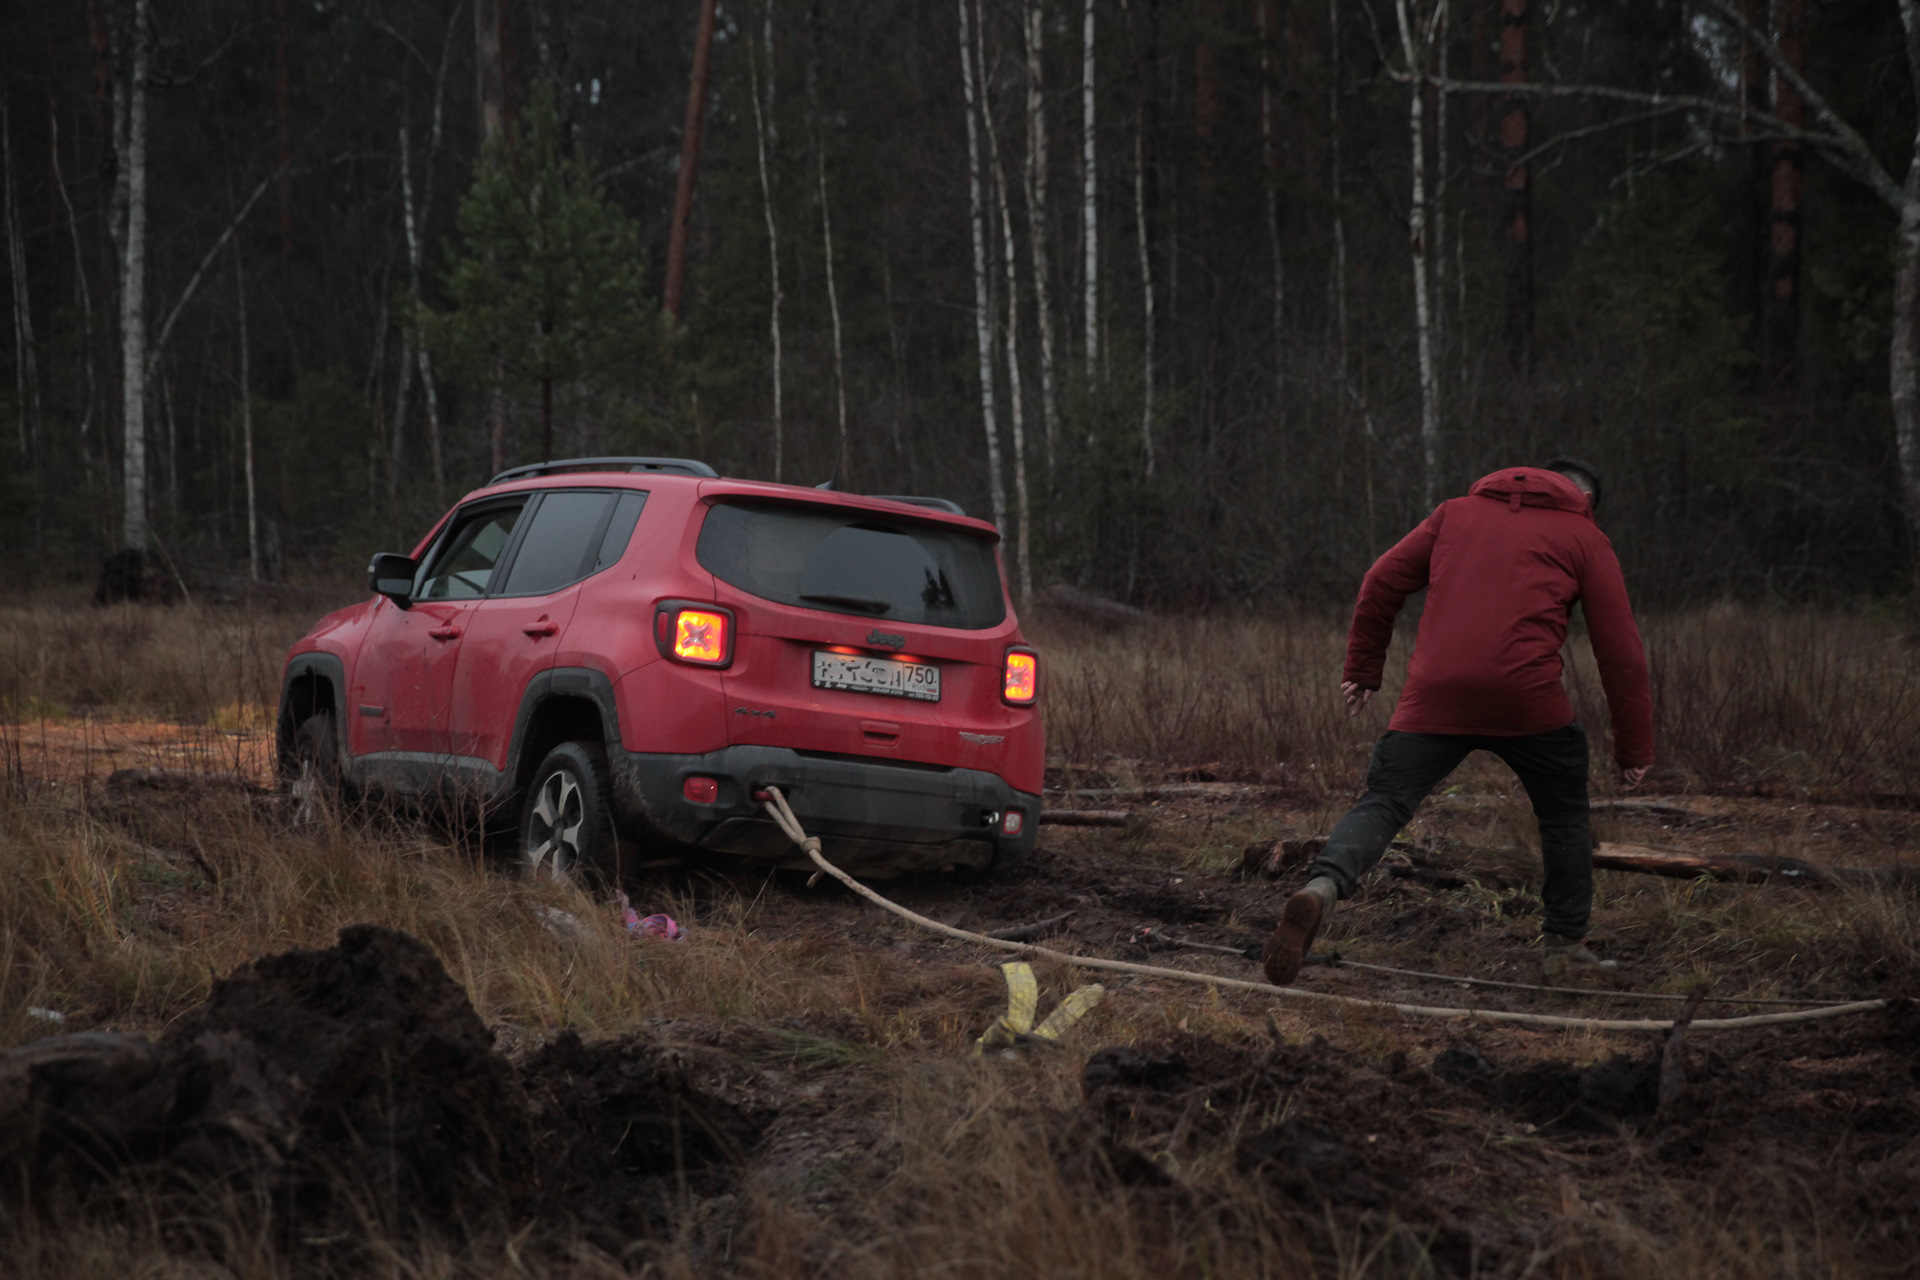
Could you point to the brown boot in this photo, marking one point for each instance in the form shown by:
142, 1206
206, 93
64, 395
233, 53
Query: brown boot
1300, 919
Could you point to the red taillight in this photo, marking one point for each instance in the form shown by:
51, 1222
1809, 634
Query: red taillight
701, 790
1012, 822
1022, 680
701, 634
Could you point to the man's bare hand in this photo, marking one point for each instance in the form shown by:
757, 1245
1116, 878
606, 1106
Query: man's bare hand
1357, 698
1631, 778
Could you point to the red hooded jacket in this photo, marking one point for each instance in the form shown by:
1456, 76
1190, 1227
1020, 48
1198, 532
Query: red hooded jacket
1503, 566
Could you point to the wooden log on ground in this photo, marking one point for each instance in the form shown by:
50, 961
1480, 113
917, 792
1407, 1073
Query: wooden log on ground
1746, 868
1085, 817
181, 780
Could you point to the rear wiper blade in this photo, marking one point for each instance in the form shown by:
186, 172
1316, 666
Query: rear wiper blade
854, 602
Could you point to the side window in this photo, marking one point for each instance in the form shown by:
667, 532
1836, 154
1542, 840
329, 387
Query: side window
463, 566
560, 544
626, 514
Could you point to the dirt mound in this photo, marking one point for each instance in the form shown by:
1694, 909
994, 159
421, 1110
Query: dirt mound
360, 1066
358, 1080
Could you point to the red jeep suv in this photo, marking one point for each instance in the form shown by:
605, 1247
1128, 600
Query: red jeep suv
625, 652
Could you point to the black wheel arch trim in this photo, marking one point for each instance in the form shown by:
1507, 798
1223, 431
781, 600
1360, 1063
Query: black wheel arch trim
560, 682
322, 666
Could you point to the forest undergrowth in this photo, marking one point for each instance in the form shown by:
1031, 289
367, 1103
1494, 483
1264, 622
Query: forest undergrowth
1252, 1137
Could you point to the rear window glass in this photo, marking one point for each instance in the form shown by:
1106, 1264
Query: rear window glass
856, 563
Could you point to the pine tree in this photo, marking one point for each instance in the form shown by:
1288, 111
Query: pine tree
548, 283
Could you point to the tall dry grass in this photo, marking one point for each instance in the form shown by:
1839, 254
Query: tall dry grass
1745, 698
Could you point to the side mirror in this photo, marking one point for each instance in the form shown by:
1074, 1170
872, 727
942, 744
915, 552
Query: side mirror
391, 575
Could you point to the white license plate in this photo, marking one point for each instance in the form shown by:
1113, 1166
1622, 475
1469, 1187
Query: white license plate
920, 680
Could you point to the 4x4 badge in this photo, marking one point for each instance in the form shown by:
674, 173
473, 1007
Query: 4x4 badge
749, 711
885, 641
984, 739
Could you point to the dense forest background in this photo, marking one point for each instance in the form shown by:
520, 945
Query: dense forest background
286, 278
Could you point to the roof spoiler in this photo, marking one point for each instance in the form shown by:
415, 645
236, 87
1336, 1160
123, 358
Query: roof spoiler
937, 504
670, 466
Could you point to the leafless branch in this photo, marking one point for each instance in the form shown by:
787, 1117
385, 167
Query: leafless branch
193, 281
1869, 167
1845, 150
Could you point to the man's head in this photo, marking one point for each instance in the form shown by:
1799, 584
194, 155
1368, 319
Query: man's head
1583, 475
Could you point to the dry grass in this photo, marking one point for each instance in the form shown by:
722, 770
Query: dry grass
123, 918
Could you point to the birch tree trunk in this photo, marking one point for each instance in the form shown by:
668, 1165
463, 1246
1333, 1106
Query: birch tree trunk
765, 139
1089, 196
1270, 159
1146, 282
1415, 48
1903, 363
689, 162
1016, 414
26, 375
982, 306
843, 464
133, 290
490, 79
246, 418
1037, 223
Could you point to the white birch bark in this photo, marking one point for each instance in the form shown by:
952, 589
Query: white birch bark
1016, 414
1089, 193
1903, 363
845, 466
982, 307
1415, 49
246, 419
133, 292
26, 375
1146, 286
764, 140
1037, 223
1263, 12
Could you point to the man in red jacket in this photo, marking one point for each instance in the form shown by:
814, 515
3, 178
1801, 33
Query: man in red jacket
1502, 568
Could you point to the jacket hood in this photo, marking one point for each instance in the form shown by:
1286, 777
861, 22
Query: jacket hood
1531, 487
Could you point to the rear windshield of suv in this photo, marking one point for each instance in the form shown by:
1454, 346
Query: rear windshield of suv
855, 562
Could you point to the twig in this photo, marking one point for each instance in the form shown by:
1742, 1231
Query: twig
1030, 932
1084, 817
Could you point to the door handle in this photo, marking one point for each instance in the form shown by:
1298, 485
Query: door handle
541, 628
448, 632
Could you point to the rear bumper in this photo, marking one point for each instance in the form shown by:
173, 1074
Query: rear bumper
872, 816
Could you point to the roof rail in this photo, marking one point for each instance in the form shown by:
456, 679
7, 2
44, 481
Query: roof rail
672, 466
938, 504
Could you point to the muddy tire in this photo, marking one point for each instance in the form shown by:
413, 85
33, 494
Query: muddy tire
313, 771
566, 822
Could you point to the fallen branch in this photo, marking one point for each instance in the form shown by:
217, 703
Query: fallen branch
1030, 932
182, 780
1745, 868
1085, 817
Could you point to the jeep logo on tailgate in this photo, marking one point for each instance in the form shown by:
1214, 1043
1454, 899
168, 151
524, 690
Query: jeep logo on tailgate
885, 641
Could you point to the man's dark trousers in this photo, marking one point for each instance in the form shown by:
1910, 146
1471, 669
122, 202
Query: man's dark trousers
1406, 766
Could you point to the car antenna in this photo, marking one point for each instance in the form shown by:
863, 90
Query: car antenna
828, 483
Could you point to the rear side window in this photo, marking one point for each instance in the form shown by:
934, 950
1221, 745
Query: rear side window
560, 544
856, 563
626, 514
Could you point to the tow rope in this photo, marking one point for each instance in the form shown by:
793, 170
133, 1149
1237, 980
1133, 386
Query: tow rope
777, 808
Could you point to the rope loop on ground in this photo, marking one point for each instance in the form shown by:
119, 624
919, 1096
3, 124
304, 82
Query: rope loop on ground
782, 814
